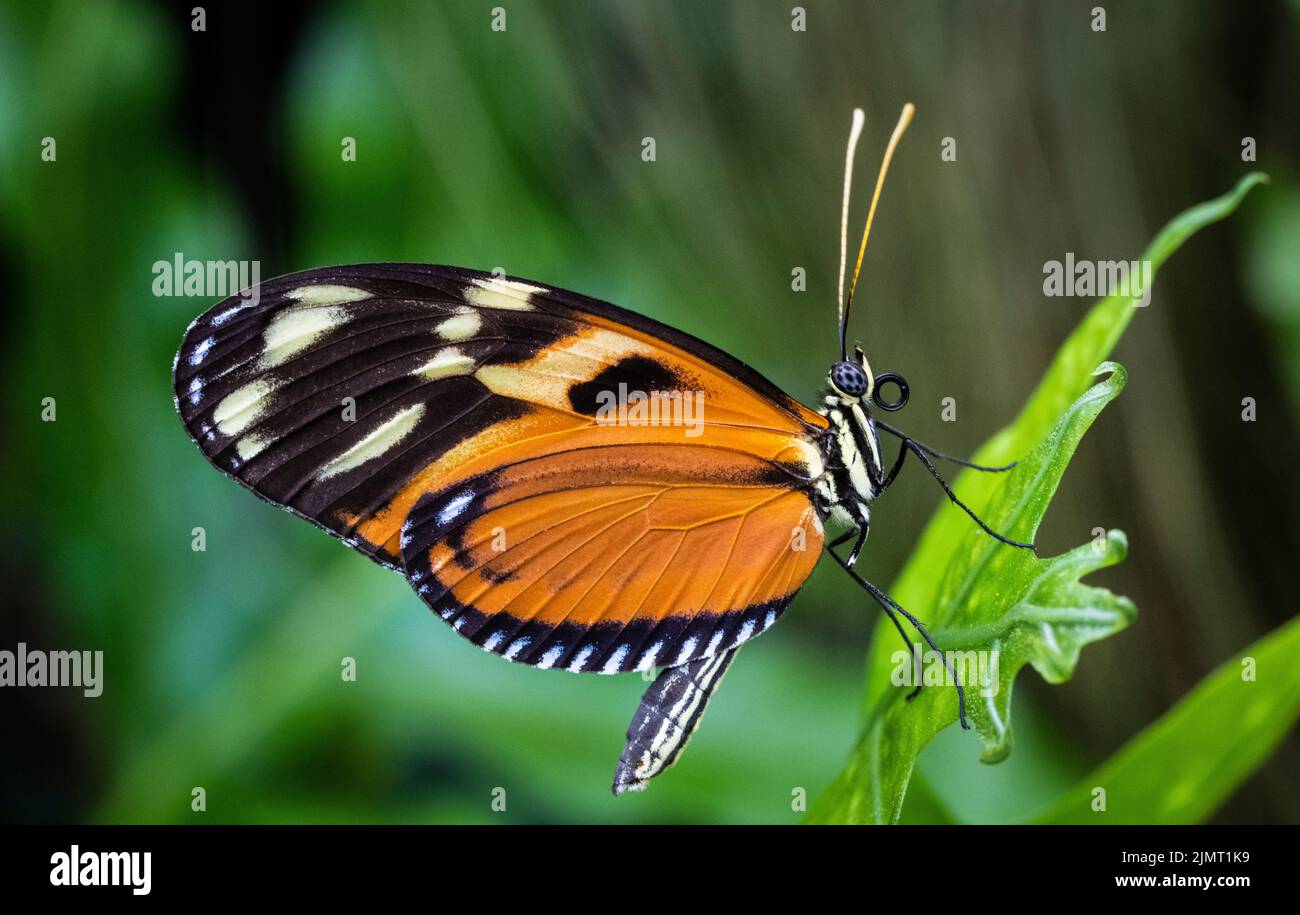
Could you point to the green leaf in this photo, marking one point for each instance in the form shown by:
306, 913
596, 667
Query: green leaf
1182, 767
1068, 375
1004, 606
982, 596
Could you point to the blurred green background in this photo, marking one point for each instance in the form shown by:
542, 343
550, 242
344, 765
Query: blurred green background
522, 149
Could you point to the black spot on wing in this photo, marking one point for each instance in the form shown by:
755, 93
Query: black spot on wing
631, 373
496, 575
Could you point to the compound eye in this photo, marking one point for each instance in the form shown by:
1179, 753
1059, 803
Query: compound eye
849, 379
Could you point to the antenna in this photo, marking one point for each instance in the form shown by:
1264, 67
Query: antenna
854, 132
903, 120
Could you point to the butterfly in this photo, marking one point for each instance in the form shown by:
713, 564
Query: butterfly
565, 483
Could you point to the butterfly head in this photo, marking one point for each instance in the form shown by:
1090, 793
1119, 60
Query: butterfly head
852, 378
853, 382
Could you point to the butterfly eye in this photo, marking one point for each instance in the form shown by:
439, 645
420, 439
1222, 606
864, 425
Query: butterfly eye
849, 379
877, 396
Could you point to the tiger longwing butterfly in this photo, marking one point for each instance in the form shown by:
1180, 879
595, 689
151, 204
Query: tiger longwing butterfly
453, 425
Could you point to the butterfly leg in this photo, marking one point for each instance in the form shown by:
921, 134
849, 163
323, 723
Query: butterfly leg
860, 531
943, 456
911, 648
862, 538
668, 714
843, 538
891, 606
906, 445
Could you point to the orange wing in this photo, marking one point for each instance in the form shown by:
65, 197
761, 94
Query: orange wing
480, 459
615, 557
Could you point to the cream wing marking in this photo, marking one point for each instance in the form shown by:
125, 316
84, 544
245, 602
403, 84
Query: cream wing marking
447, 363
460, 326
295, 329
501, 293
328, 295
378, 442
239, 409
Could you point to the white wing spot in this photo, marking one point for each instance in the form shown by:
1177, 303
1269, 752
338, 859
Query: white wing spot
714, 643
229, 313
201, 351
688, 649
378, 442
517, 646
551, 656
293, 330
452, 510
450, 361
241, 407
495, 292
328, 295
648, 657
250, 446
615, 662
580, 661
460, 326
746, 630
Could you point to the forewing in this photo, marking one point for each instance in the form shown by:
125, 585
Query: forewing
348, 394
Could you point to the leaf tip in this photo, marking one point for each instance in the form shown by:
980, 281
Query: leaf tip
1116, 546
1118, 375
1253, 179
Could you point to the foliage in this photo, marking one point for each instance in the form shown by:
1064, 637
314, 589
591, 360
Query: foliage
980, 595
